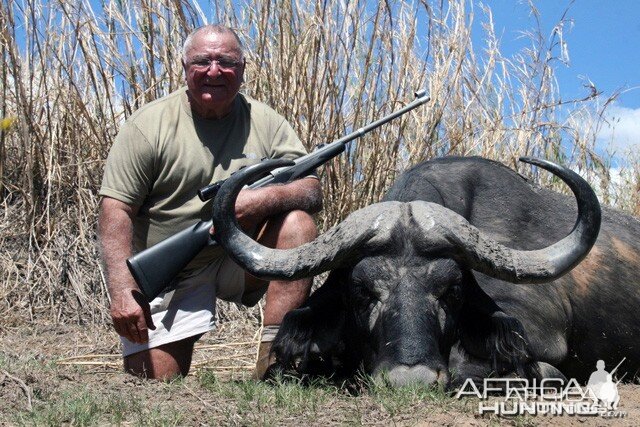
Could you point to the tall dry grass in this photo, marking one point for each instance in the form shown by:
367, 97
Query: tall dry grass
73, 71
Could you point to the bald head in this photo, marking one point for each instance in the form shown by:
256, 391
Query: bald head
206, 30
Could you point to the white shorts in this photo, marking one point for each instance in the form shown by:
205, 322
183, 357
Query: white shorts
190, 308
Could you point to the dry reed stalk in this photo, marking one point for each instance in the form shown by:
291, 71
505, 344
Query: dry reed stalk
225, 345
114, 365
73, 71
87, 356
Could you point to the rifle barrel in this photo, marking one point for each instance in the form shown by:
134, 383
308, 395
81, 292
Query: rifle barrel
618, 365
422, 99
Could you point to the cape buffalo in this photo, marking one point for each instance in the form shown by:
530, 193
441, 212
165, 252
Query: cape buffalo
463, 271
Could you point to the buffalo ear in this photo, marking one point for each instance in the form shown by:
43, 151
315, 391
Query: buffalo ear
310, 336
489, 333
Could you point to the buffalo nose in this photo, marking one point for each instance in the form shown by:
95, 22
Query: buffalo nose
402, 375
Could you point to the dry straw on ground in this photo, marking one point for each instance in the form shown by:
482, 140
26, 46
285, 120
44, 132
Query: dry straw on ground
73, 71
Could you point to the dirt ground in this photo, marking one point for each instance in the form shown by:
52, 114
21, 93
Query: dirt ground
71, 374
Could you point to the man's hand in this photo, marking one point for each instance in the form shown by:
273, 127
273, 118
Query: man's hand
131, 315
130, 310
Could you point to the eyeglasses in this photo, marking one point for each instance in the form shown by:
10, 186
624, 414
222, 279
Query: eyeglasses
206, 63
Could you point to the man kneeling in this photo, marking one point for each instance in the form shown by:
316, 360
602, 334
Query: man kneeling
162, 155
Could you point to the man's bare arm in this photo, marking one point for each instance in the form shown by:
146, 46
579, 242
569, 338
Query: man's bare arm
254, 206
129, 310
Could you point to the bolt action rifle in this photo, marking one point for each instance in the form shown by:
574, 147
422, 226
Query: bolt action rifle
154, 268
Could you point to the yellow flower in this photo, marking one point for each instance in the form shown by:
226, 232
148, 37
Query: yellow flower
7, 122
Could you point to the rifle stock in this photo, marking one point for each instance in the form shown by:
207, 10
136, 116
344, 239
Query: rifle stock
154, 268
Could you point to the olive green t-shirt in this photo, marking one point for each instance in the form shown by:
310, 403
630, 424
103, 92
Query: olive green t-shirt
165, 152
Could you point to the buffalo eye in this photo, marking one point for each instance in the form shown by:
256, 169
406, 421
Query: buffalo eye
362, 296
361, 292
452, 297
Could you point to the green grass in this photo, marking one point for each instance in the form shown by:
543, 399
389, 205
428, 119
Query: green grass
269, 402
77, 408
86, 407
287, 398
65, 395
73, 396
399, 400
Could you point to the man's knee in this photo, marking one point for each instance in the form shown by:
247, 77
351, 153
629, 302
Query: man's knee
165, 362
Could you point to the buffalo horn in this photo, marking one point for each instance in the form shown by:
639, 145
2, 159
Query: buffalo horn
326, 252
517, 266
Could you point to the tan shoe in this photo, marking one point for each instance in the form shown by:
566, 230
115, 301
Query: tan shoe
264, 362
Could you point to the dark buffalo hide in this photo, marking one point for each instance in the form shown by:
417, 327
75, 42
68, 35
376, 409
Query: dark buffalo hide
414, 303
